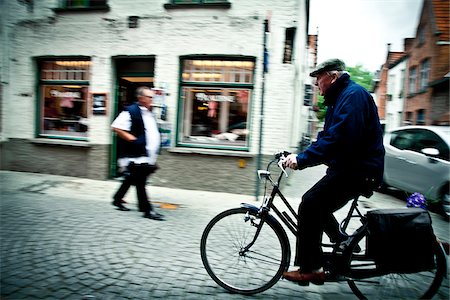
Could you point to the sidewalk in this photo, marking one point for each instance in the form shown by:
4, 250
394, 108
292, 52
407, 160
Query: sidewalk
62, 239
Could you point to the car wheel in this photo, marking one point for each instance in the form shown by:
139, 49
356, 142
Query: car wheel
445, 202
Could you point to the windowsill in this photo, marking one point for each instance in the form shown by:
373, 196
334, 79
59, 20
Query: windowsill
210, 152
411, 95
60, 142
196, 5
81, 9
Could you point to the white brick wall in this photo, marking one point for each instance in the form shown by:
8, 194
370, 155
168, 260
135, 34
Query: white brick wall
167, 34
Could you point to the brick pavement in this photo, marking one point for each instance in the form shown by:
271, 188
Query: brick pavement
62, 239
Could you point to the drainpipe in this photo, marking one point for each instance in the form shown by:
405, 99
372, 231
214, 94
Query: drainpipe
261, 115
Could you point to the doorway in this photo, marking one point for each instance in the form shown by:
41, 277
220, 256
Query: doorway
131, 73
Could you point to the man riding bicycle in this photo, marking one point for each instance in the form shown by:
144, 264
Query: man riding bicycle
351, 145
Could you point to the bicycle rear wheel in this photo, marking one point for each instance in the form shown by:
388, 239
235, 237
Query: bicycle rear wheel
244, 272
420, 285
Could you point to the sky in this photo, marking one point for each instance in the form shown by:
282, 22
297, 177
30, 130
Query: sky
358, 31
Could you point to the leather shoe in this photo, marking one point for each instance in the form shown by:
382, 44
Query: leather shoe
154, 216
120, 206
305, 278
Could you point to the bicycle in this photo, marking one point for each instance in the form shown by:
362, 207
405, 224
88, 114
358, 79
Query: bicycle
245, 250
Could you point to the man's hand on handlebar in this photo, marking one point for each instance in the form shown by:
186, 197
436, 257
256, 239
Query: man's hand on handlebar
290, 161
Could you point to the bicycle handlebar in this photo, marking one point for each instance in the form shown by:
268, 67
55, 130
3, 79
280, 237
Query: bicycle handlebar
281, 157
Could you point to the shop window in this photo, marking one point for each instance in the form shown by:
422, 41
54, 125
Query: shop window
216, 97
63, 98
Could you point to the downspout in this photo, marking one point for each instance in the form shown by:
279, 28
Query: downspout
261, 115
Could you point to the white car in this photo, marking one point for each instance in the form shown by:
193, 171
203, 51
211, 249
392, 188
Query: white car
417, 160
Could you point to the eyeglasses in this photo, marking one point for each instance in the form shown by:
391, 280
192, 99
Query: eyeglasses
151, 97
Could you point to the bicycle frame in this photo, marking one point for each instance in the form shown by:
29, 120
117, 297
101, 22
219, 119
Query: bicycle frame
268, 204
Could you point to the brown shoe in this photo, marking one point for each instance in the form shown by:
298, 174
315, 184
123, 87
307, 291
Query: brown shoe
305, 278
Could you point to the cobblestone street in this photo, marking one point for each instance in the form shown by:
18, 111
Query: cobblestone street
62, 239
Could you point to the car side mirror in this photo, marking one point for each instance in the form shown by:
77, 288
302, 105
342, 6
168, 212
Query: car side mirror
430, 151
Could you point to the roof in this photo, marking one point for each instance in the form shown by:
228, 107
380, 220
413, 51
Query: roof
394, 58
441, 10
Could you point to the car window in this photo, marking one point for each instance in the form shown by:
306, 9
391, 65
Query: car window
429, 139
402, 140
418, 139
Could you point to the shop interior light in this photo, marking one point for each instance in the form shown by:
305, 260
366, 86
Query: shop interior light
73, 86
79, 63
206, 75
220, 63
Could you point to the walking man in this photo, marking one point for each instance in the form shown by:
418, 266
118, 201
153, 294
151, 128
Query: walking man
138, 144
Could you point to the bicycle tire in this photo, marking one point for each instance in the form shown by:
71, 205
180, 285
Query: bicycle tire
257, 270
420, 285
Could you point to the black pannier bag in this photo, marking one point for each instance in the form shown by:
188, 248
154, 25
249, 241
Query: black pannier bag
401, 240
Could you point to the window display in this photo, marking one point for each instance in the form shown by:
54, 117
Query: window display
216, 115
64, 111
64, 98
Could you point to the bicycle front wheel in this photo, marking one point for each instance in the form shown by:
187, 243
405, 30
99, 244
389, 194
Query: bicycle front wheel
367, 283
238, 270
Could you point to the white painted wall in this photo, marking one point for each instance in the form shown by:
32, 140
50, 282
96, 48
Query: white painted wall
394, 108
28, 32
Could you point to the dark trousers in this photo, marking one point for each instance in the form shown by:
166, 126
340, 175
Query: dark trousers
137, 175
315, 211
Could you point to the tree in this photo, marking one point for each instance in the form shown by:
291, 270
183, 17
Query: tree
359, 75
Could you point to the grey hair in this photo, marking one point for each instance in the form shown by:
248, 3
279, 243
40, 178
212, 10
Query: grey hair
338, 73
141, 89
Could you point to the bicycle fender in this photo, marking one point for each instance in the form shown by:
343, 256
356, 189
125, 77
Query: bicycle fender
275, 223
255, 209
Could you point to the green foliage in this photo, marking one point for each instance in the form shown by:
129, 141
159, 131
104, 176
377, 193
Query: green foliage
359, 75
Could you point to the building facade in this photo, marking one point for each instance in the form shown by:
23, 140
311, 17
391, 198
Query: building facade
423, 68
428, 66
228, 76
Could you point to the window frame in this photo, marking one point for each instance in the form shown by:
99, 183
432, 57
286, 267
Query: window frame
412, 80
424, 74
63, 6
41, 84
173, 4
420, 117
179, 142
289, 45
